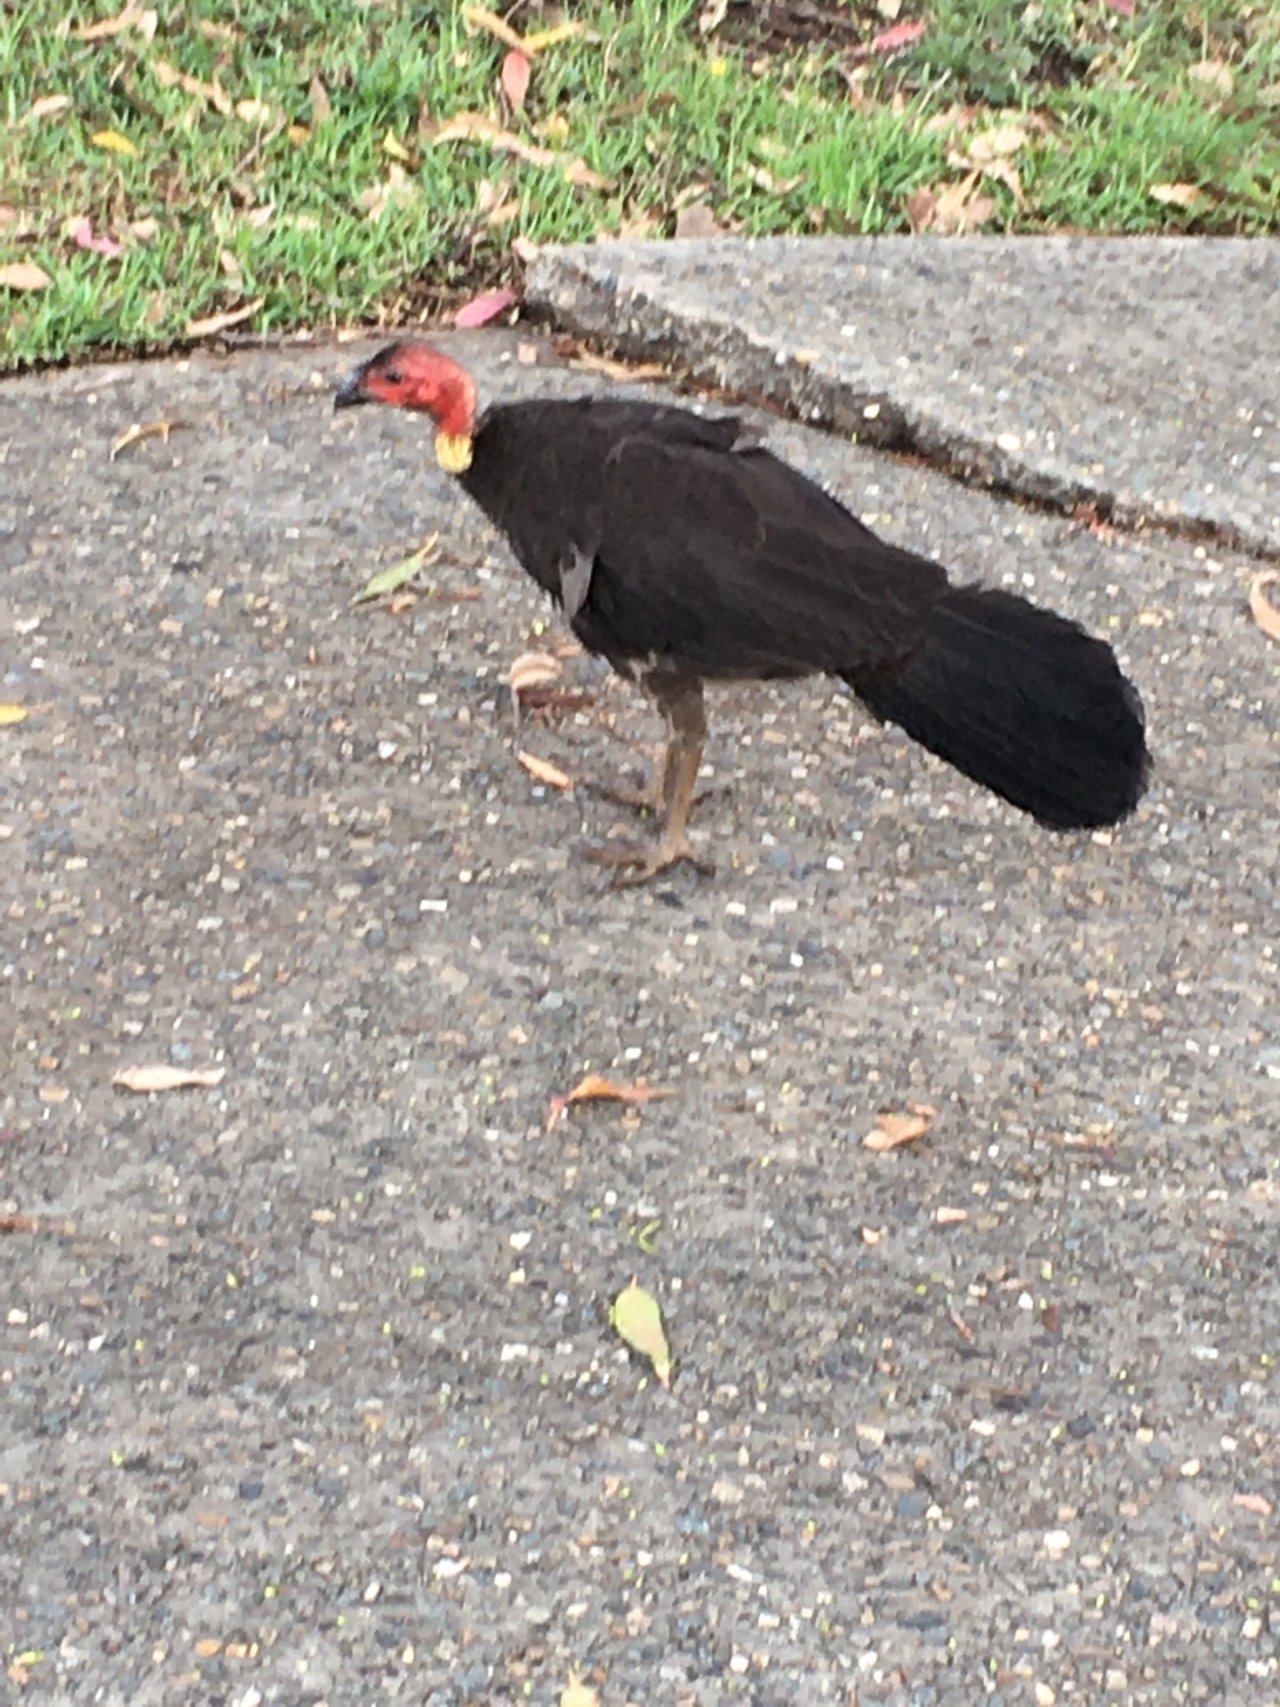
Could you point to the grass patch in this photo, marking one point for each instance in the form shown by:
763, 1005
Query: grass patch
223, 153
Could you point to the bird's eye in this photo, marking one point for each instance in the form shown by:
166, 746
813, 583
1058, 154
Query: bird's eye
392, 377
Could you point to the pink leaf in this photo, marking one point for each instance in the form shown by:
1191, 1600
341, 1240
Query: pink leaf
898, 36
484, 308
1126, 8
515, 77
81, 234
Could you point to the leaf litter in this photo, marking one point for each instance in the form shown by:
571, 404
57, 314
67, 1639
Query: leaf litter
636, 1317
389, 580
892, 1131
596, 1088
1264, 612
159, 1076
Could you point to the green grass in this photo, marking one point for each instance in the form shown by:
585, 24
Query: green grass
329, 200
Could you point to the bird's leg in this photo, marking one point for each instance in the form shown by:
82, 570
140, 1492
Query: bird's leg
652, 797
680, 700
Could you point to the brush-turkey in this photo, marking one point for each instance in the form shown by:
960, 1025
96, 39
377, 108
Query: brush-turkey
683, 551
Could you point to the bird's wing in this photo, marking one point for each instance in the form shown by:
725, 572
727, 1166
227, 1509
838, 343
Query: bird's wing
729, 563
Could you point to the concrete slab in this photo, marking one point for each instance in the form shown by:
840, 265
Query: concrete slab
309, 1393
1133, 373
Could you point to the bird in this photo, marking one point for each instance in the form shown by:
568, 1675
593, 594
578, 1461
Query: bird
683, 551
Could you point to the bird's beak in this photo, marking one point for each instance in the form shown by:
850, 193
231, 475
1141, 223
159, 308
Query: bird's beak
351, 391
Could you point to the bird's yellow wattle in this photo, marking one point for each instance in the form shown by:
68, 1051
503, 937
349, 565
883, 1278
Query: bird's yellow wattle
453, 452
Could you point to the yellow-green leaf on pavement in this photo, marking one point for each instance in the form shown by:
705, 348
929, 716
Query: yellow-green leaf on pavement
387, 580
12, 714
637, 1319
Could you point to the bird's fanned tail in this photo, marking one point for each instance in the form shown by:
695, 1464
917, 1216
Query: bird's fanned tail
1024, 702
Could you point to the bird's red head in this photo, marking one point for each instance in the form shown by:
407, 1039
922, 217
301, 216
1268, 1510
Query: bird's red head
413, 375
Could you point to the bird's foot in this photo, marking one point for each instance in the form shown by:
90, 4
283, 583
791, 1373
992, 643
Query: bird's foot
651, 798
638, 862
646, 799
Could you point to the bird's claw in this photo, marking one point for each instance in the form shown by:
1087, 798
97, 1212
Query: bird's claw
638, 862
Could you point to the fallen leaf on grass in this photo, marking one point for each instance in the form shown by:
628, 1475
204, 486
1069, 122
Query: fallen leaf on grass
894, 1130
480, 18
138, 18
169, 77
114, 143
47, 107
11, 714
516, 67
697, 220
1175, 195
595, 1088
82, 234
161, 1077
135, 435
637, 1320
897, 37
24, 275
538, 41
1264, 613
542, 771
1211, 79
213, 323
321, 105
475, 127
388, 580
484, 308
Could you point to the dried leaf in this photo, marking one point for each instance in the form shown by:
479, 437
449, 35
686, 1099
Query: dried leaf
634, 372
893, 1130
957, 208
11, 714
1212, 80
898, 36
533, 670
997, 143
388, 580
578, 1694
475, 127
637, 1319
114, 143
712, 16
169, 77
47, 107
538, 41
697, 220
480, 18
135, 435
922, 206
595, 1088
1175, 195
162, 1077
82, 234
1258, 1504
321, 105
394, 149
133, 17
525, 250
515, 77
948, 1217
484, 308
254, 112
1264, 613
213, 323
541, 771
24, 275
144, 229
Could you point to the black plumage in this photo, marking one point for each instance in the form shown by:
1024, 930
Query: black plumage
683, 551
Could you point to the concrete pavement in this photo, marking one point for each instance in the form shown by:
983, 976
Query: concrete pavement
309, 1390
